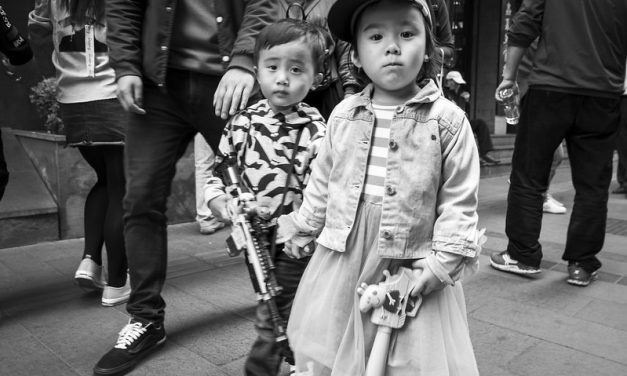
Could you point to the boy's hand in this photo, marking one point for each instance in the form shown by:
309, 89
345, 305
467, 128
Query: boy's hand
425, 282
233, 92
218, 208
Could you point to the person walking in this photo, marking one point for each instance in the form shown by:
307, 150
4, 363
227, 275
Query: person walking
19, 52
182, 67
574, 94
95, 123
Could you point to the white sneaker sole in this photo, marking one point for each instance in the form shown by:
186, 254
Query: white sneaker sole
513, 269
87, 282
115, 301
577, 282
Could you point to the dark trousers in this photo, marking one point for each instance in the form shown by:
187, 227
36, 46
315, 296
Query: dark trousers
589, 126
4, 171
621, 144
482, 133
265, 357
154, 143
103, 210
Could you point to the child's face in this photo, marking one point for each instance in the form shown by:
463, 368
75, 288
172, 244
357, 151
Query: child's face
391, 43
285, 74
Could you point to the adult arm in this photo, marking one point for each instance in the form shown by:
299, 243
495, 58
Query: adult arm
237, 83
125, 20
12, 43
525, 28
443, 32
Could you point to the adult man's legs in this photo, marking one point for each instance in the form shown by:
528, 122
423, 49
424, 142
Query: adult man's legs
621, 146
4, 171
545, 118
590, 148
204, 159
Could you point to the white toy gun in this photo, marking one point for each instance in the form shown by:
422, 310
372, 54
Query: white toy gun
250, 233
391, 304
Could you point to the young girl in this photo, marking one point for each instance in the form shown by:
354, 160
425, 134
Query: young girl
95, 123
394, 184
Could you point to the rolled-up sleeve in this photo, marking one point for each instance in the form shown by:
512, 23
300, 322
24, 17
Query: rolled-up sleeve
526, 24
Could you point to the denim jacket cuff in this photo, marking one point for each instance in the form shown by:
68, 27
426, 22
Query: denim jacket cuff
456, 245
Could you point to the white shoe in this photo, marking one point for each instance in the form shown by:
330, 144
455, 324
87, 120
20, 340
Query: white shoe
88, 276
553, 206
112, 296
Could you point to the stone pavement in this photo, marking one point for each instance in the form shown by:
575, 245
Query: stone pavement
519, 326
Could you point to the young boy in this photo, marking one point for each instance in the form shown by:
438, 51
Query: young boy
290, 58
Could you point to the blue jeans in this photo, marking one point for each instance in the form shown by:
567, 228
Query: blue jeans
155, 142
588, 124
265, 356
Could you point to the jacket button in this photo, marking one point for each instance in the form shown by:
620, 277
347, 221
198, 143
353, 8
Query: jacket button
393, 145
168, 9
400, 109
226, 59
387, 234
219, 19
390, 190
164, 48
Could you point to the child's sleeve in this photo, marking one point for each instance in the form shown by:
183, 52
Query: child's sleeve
309, 219
455, 228
214, 186
318, 130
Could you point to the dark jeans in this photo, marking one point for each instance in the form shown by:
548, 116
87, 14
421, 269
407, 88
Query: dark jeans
265, 358
589, 126
4, 171
482, 132
621, 145
155, 142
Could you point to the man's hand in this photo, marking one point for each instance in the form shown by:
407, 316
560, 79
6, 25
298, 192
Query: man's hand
505, 84
130, 94
233, 92
425, 282
218, 208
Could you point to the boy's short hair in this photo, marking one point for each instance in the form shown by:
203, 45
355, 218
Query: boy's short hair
289, 30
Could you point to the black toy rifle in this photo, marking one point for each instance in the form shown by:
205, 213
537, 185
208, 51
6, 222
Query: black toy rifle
250, 233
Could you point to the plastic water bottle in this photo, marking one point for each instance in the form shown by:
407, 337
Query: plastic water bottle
510, 101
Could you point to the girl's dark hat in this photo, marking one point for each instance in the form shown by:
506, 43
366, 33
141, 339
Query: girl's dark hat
343, 15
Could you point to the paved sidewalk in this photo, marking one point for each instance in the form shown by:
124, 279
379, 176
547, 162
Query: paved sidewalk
519, 326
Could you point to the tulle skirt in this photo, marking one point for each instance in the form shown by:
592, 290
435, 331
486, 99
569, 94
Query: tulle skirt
331, 336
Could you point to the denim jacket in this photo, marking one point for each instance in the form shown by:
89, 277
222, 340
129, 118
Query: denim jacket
431, 182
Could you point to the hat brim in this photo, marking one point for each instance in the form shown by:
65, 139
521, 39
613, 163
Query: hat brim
343, 12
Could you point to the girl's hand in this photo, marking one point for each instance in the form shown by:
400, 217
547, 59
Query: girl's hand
425, 282
293, 250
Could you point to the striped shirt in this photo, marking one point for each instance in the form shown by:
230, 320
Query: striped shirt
375, 172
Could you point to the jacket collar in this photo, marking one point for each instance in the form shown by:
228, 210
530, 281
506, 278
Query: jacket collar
300, 114
428, 93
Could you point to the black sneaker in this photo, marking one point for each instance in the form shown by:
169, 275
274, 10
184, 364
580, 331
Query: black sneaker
504, 262
578, 276
135, 341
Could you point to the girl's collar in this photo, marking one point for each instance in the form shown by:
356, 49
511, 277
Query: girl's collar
428, 93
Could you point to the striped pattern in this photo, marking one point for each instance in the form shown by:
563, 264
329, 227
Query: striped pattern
375, 173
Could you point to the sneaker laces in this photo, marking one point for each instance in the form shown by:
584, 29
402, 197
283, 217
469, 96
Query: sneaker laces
129, 334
